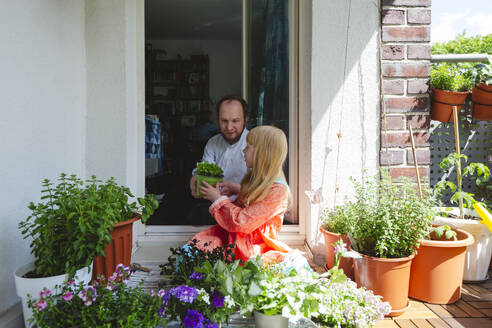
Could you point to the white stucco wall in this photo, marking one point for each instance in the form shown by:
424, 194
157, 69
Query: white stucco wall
225, 62
359, 89
43, 108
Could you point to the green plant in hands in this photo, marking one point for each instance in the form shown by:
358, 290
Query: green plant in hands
340, 219
390, 218
209, 169
449, 77
72, 223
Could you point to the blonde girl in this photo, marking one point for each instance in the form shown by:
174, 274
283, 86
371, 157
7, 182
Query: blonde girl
254, 220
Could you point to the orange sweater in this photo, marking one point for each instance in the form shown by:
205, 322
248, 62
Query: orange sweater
254, 228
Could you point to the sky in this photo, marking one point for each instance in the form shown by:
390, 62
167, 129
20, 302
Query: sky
450, 17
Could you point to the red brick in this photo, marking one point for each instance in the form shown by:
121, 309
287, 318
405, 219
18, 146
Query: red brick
407, 3
418, 121
423, 156
419, 16
391, 157
406, 33
395, 17
417, 86
393, 122
418, 51
409, 172
402, 139
397, 69
393, 51
406, 104
393, 87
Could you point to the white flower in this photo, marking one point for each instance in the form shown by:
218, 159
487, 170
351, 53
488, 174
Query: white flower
229, 302
203, 295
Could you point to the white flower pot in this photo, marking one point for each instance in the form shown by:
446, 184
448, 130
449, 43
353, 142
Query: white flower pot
270, 321
478, 254
33, 286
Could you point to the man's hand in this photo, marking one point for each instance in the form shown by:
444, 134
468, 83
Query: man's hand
209, 192
228, 188
193, 186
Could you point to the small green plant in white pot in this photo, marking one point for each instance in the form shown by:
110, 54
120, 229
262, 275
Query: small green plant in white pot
209, 172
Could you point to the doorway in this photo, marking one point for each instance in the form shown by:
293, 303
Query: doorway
198, 51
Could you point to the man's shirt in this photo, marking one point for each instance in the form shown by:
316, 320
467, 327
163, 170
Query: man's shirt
229, 157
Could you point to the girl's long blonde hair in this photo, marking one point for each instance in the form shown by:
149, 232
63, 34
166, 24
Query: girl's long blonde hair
270, 152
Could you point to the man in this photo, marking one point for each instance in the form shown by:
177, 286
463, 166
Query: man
226, 148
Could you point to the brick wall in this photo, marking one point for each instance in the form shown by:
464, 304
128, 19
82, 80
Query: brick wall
405, 65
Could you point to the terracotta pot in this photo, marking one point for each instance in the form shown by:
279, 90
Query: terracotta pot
437, 270
482, 102
386, 277
443, 102
347, 264
119, 250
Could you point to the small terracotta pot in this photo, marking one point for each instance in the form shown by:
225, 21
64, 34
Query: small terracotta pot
443, 102
482, 102
437, 270
386, 277
119, 250
347, 264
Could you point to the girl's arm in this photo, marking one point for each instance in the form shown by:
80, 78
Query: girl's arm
234, 218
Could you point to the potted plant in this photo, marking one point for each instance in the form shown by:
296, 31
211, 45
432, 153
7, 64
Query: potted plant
437, 269
336, 224
69, 228
450, 87
390, 219
481, 75
108, 303
209, 172
478, 254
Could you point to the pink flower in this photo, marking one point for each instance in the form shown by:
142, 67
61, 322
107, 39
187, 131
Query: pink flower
161, 293
71, 282
109, 286
41, 304
67, 296
44, 292
152, 293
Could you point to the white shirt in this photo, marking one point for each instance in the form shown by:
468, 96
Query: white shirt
229, 157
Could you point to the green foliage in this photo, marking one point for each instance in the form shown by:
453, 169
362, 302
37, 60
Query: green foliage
481, 73
464, 45
72, 223
340, 219
444, 230
108, 304
449, 77
209, 169
479, 171
390, 218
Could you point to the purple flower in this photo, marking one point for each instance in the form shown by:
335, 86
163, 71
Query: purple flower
152, 293
41, 305
110, 286
184, 293
71, 282
44, 292
210, 324
161, 293
217, 299
340, 248
162, 312
88, 295
193, 319
196, 276
67, 296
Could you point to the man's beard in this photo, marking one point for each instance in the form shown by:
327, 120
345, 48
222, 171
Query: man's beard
236, 139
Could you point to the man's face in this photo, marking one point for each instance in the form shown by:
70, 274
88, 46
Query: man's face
231, 120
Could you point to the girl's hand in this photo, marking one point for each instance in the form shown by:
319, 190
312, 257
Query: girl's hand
228, 188
209, 192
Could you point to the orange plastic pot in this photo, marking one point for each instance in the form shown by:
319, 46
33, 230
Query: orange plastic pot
437, 270
347, 264
482, 102
443, 102
386, 277
119, 250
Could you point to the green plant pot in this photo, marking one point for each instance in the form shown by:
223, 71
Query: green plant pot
210, 180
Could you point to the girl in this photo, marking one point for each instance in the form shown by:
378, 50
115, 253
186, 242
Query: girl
254, 220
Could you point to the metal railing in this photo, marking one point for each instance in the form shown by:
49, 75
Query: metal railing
461, 58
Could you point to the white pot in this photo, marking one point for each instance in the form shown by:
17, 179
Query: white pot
478, 254
270, 321
33, 286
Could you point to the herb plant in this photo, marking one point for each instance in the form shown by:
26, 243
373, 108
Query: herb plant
340, 219
449, 77
390, 217
481, 73
443, 230
106, 303
209, 169
72, 223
